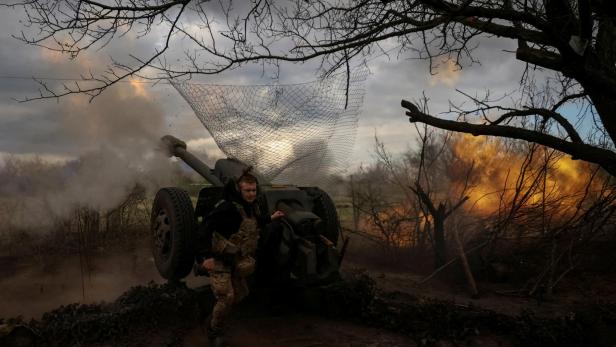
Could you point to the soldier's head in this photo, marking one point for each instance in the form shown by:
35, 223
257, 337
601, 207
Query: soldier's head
247, 185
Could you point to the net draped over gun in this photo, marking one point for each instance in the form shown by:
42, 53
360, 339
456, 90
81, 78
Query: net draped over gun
287, 132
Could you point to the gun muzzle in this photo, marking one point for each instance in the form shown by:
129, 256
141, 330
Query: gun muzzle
176, 147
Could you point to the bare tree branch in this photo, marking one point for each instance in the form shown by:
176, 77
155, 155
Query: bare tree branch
603, 157
577, 42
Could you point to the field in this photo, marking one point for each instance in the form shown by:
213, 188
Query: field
83, 265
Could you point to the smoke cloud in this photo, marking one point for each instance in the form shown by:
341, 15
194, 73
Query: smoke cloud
116, 138
447, 73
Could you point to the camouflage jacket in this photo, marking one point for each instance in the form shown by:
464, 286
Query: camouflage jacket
225, 220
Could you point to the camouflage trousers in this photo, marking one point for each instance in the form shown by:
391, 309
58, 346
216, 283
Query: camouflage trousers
230, 287
229, 282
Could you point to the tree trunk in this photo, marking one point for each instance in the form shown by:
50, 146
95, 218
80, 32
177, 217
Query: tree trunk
601, 59
605, 105
439, 237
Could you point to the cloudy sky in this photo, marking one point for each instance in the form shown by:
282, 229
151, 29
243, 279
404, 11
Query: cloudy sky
135, 115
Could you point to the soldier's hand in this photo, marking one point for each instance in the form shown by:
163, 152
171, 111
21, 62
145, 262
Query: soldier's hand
277, 214
208, 264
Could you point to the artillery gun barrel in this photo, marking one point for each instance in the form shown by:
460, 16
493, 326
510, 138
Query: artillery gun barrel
177, 147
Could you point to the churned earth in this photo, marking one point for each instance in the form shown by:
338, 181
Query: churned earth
250, 328
115, 297
33, 286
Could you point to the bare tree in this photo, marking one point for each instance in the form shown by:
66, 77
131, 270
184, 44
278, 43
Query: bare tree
574, 39
525, 218
386, 214
422, 180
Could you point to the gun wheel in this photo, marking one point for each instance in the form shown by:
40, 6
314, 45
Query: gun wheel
172, 225
325, 208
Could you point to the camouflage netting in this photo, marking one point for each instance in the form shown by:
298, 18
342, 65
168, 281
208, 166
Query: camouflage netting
287, 132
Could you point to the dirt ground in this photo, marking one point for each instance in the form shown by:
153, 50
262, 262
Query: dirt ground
250, 328
32, 286
498, 296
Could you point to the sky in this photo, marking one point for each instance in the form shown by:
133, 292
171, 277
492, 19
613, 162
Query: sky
134, 115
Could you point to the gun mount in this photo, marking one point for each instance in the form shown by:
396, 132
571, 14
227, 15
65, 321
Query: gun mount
301, 247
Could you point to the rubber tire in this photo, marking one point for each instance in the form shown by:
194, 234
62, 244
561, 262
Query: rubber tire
325, 208
177, 207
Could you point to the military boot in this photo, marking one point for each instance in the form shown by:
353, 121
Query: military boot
215, 338
218, 341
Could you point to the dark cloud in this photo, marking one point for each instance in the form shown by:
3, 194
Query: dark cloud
70, 127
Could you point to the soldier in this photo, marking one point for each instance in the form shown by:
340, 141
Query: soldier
232, 232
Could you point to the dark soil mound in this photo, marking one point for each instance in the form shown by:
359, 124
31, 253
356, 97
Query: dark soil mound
166, 310
431, 321
164, 313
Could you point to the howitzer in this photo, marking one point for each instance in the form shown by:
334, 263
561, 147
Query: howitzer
301, 247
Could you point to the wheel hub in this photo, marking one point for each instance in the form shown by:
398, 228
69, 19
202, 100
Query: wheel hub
162, 233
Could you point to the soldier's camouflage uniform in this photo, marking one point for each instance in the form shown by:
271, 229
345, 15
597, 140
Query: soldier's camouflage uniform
228, 279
